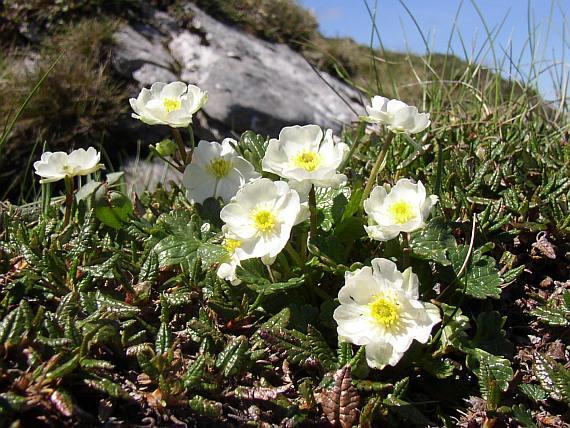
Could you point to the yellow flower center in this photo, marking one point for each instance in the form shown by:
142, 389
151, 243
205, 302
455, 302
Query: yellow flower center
307, 160
385, 310
402, 212
231, 244
171, 104
264, 220
220, 167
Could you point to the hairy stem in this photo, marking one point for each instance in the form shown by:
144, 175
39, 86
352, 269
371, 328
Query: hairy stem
180, 143
376, 168
68, 200
313, 211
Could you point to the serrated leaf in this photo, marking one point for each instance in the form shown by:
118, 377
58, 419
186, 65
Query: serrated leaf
233, 357
211, 254
490, 370
250, 273
279, 320
481, 278
62, 402
14, 325
108, 387
205, 407
433, 241
534, 392
320, 348
121, 309
163, 339
182, 241
523, 416
195, 372
292, 342
340, 403
344, 352
556, 312
368, 411
553, 377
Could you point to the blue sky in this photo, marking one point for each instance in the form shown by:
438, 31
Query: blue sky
438, 19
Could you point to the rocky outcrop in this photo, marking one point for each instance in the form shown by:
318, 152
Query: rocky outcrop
252, 84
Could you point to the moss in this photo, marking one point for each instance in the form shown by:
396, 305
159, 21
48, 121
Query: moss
76, 106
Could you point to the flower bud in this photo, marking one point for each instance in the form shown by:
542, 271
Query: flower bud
166, 147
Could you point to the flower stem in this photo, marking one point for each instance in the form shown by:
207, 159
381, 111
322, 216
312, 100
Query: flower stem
406, 250
180, 143
313, 211
192, 141
68, 200
376, 168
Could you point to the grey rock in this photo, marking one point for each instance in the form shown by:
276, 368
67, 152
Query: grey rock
252, 84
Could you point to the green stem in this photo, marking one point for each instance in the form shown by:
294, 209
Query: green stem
180, 143
313, 210
376, 168
294, 255
303, 246
68, 200
178, 167
192, 141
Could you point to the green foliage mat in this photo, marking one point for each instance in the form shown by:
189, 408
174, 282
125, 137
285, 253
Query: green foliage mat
120, 316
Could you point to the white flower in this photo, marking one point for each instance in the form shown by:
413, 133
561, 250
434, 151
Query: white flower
396, 115
404, 209
261, 216
227, 270
55, 166
302, 154
379, 308
171, 104
216, 170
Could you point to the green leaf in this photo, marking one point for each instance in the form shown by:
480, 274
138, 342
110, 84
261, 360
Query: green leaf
112, 208
481, 278
251, 275
163, 339
212, 254
195, 372
87, 190
523, 416
454, 328
14, 326
556, 312
433, 241
108, 387
181, 244
490, 370
344, 352
292, 342
535, 392
553, 377
233, 357
320, 348
205, 407
279, 320
491, 336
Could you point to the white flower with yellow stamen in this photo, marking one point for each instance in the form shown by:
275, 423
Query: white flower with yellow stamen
216, 170
396, 115
171, 104
261, 216
302, 154
58, 165
379, 308
403, 208
227, 270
